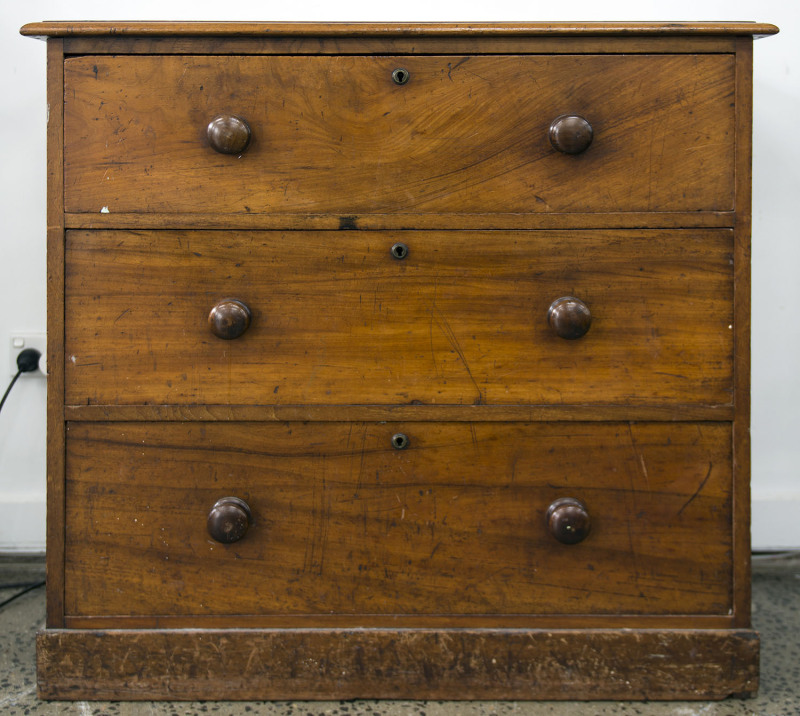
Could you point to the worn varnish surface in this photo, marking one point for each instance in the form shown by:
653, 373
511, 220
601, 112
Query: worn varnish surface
368, 571
336, 134
461, 320
55, 335
679, 412
741, 423
344, 30
429, 44
462, 664
398, 221
344, 523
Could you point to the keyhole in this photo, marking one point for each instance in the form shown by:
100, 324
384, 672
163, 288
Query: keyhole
400, 76
400, 441
399, 251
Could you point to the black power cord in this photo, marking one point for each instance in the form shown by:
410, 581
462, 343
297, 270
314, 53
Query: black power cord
27, 362
29, 587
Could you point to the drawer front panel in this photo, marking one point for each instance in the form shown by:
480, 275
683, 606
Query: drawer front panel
345, 523
338, 135
336, 319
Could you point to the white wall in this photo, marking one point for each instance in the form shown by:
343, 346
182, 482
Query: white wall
776, 241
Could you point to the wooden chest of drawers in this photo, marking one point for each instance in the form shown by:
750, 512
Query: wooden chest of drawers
398, 361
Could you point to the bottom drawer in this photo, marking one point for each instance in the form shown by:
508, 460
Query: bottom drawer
343, 522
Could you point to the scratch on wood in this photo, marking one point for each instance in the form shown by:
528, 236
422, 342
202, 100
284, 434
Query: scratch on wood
362, 451
629, 522
447, 330
698, 490
639, 456
127, 310
451, 67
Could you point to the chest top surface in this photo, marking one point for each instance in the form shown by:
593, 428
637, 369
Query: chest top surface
345, 29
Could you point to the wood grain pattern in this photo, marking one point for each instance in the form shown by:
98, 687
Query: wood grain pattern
741, 298
335, 134
412, 45
369, 571
344, 523
404, 621
401, 221
383, 30
456, 413
337, 320
340, 664
55, 334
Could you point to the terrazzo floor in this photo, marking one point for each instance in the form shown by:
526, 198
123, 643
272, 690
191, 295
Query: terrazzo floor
776, 614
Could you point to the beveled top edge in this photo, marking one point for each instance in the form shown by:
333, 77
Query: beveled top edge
375, 29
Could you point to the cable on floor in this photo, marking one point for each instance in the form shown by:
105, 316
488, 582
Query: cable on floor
29, 587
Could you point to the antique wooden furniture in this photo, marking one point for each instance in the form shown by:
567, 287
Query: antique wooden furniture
398, 361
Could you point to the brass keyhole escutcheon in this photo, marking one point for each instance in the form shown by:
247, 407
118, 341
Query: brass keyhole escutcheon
401, 76
400, 441
399, 251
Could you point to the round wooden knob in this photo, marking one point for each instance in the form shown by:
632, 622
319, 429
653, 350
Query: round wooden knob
568, 520
569, 317
229, 519
228, 134
570, 134
229, 319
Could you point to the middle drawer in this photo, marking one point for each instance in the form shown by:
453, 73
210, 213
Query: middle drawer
445, 317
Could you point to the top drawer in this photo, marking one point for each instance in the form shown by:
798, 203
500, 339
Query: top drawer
339, 135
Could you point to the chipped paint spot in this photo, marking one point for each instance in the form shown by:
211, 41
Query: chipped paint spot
105, 210
74, 359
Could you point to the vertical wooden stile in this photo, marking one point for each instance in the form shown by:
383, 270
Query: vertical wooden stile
55, 333
741, 327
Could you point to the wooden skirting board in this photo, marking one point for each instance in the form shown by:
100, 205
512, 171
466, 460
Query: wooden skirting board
255, 664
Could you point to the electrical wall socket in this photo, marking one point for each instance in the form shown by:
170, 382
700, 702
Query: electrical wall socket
19, 342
